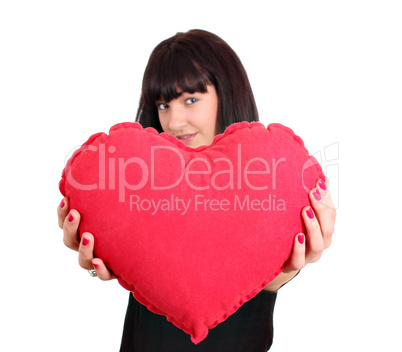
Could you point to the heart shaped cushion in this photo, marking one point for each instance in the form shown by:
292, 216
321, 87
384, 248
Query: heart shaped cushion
193, 233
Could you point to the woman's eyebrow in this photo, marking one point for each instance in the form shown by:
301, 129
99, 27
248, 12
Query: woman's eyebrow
185, 92
177, 95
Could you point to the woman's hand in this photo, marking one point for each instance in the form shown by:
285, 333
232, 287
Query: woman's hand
69, 221
319, 221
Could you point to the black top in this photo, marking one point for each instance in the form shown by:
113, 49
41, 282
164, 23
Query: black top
249, 329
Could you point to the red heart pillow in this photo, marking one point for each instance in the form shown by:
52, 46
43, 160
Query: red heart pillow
193, 233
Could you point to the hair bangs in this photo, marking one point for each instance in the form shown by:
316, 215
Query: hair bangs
171, 75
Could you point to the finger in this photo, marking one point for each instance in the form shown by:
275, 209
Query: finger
85, 251
297, 259
62, 211
314, 239
103, 273
326, 199
70, 230
325, 211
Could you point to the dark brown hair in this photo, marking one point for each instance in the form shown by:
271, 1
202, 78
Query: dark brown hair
190, 61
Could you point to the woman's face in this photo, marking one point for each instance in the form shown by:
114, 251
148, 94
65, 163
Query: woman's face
191, 118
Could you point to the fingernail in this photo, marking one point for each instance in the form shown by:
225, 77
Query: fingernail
96, 266
300, 238
70, 218
310, 213
62, 204
322, 185
85, 241
317, 195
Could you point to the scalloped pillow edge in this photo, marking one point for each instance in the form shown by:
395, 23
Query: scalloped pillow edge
135, 125
194, 337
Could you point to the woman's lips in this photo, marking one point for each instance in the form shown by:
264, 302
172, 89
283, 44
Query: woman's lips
186, 138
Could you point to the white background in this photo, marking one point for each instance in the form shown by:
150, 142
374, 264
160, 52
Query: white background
330, 70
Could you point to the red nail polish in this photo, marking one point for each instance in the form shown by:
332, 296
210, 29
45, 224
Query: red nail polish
62, 204
96, 266
317, 195
300, 238
310, 213
322, 185
70, 218
85, 241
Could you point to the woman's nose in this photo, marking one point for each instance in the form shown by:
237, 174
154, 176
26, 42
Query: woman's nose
177, 119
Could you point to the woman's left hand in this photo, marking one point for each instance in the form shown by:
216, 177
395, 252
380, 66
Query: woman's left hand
319, 221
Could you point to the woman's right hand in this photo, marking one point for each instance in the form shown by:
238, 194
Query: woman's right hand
69, 221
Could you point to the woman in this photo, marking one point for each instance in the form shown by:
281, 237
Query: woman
195, 86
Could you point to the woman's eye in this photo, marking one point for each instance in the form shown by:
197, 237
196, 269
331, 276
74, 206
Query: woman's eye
162, 106
190, 101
